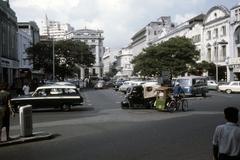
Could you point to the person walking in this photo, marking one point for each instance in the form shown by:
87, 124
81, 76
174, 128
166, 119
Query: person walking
5, 109
226, 138
26, 89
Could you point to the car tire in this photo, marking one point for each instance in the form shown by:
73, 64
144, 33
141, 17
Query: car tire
66, 107
204, 94
228, 91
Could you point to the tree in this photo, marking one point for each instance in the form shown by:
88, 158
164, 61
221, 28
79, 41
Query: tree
67, 55
202, 67
176, 55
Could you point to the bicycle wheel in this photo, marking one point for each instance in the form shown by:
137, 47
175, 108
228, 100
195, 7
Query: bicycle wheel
184, 105
171, 106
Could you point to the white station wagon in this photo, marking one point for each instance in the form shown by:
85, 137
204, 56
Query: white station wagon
233, 86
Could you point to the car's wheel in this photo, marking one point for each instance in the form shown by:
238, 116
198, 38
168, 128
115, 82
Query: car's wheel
66, 107
228, 91
204, 94
184, 105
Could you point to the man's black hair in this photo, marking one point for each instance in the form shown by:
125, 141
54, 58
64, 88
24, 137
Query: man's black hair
231, 114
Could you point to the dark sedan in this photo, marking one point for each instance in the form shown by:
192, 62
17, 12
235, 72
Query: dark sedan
57, 96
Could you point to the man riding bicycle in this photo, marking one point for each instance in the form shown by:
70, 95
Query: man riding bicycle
178, 92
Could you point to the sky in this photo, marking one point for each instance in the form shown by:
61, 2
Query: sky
119, 19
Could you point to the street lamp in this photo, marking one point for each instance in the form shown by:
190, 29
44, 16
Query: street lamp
228, 71
53, 52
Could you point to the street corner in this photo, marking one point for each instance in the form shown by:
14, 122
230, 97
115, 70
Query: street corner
37, 136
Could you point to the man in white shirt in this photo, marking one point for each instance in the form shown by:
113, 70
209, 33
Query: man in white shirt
226, 138
26, 89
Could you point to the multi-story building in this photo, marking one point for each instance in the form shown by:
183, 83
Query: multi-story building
28, 35
109, 59
143, 39
55, 29
94, 39
148, 34
217, 37
191, 29
124, 66
233, 61
8, 43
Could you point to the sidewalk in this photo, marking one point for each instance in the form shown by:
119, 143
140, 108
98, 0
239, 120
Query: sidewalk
35, 137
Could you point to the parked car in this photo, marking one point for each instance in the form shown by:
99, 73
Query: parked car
212, 85
57, 96
100, 84
233, 86
117, 84
123, 88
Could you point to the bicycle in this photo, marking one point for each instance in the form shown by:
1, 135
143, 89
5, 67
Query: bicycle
176, 102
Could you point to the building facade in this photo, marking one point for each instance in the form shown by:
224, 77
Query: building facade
55, 29
216, 36
124, 66
8, 43
148, 34
28, 35
94, 39
109, 60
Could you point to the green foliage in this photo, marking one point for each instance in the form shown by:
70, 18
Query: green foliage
203, 66
175, 55
67, 55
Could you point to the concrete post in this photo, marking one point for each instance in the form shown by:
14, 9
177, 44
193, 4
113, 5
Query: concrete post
26, 128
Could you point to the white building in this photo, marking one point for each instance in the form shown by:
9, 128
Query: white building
140, 40
148, 34
28, 35
233, 62
109, 59
124, 66
55, 29
24, 42
94, 39
217, 37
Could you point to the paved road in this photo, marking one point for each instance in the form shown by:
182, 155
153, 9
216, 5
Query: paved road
101, 130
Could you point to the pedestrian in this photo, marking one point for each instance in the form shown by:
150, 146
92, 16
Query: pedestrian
5, 108
26, 88
18, 87
226, 138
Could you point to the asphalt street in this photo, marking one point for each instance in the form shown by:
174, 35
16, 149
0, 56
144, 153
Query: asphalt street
100, 130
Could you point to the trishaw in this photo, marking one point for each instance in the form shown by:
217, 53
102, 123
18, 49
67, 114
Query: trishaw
165, 101
140, 96
153, 96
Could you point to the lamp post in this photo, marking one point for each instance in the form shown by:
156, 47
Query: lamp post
53, 52
228, 71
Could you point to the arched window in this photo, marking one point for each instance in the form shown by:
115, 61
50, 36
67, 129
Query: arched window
237, 36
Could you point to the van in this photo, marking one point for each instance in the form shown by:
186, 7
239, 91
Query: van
193, 85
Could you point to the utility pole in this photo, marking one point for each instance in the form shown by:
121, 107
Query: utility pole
53, 59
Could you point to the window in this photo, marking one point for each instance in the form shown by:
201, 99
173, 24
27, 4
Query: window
208, 35
223, 30
234, 84
215, 33
223, 52
216, 54
209, 54
238, 51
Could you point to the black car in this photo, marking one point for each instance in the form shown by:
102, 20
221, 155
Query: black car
57, 96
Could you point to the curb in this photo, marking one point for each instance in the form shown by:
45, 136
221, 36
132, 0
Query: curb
37, 136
